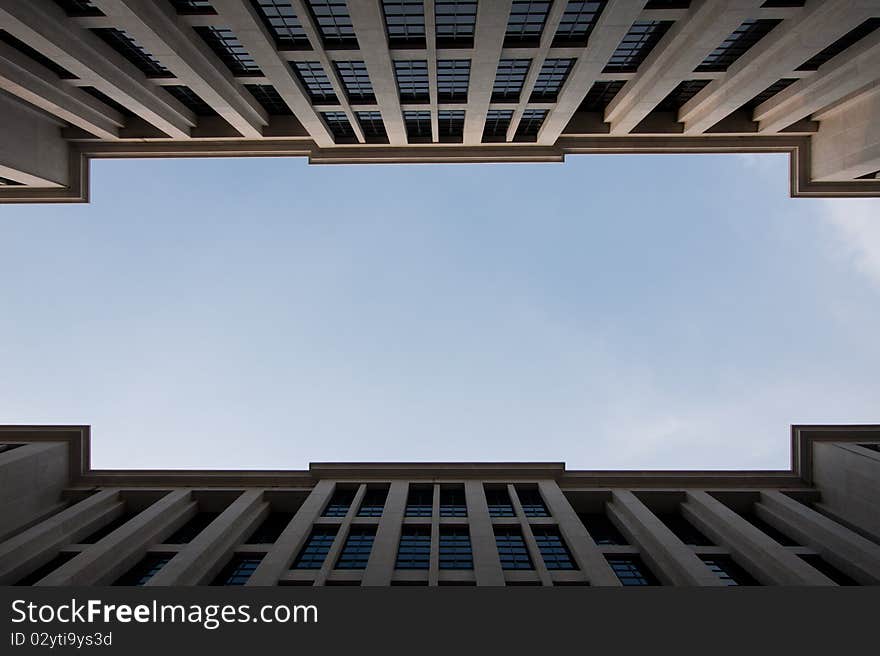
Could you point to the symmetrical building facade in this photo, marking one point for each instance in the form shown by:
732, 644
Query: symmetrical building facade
483, 524
351, 81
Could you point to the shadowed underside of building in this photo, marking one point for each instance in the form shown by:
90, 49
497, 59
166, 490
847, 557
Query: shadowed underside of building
369, 81
484, 524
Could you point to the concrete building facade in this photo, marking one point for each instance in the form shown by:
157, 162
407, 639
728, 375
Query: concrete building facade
366, 81
484, 524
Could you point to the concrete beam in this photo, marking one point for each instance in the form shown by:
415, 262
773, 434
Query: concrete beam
487, 565
848, 142
32, 151
488, 42
380, 567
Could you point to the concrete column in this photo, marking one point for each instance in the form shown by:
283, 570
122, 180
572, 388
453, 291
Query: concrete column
528, 537
668, 557
431, 52
279, 559
848, 142
380, 567
109, 558
341, 537
434, 563
37, 545
488, 42
847, 551
762, 556
33, 476
202, 558
848, 477
32, 151
584, 551
487, 565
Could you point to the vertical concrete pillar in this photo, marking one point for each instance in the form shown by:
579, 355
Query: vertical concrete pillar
380, 567
203, 557
762, 556
32, 478
487, 565
584, 551
671, 560
341, 537
109, 558
434, 563
291, 540
36, 546
529, 537
846, 550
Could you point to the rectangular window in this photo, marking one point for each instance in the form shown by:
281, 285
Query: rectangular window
497, 123
600, 95
455, 548
531, 501
372, 126
283, 23
631, 570
271, 528
405, 22
418, 125
601, 529
636, 45
229, 49
412, 80
453, 77
316, 82
526, 22
553, 548
530, 124
334, 23
125, 45
736, 44
358, 546
512, 548
420, 501
356, 81
829, 570
728, 571
509, 78
373, 503
146, 569
238, 570
684, 530
452, 501
455, 22
340, 502
450, 124
414, 551
849, 39
314, 552
191, 100
189, 531
550, 79
577, 22
497, 498
270, 99
44, 570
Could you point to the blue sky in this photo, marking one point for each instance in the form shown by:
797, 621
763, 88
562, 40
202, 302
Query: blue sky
610, 312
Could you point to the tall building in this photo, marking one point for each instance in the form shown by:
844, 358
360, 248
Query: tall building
347, 81
486, 524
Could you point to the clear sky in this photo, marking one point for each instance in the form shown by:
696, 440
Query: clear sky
610, 312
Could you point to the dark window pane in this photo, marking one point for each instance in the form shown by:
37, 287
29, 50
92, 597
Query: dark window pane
530, 124
601, 529
512, 548
148, 567
238, 570
550, 79
356, 81
498, 499
270, 99
283, 23
455, 548
414, 550
189, 531
452, 501
229, 49
453, 77
509, 78
636, 45
271, 528
316, 82
334, 23
577, 22
454, 23
191, 100
373, 503
849, 39
405, 22
736, 45
531, 502
631, 570
412, 80
358, 546
552, 547
340, 502
420, 501
526, 22
728, 571
684, 530
315, 550
829, 570
125, 45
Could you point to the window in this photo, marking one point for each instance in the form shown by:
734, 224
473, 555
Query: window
315, 550
550, 79
229, 49
453, 77
601, 529
509, 79
420, 501
526, 22
418, 125
146, 569
339, 504
497, 498
497, 122
79, 8
684, 530
372, 126
414, 551
680, 95
271, 528
636, 45
552, 547
512, 548
107, 529
191, 100
373, 503
577, 22
728, 571
631, 570
531, 502
405, 22
768, 530
455, 548
193, 6
316, 82
829, 570
412, 80
844, 42
43, 571
600, 95
454, 23
450, 124
356, 81
334, 23
38, 57
452, 501
529, 124
736, 45
358, 546
270, 99
125, 45
282, 21
189, 531
238, 570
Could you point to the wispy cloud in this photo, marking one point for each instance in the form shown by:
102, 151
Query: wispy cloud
856, 224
